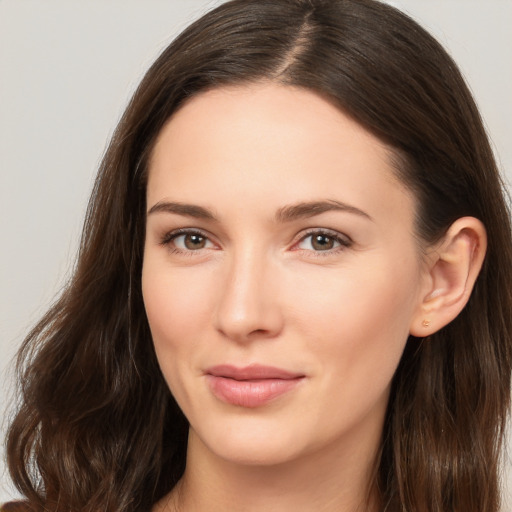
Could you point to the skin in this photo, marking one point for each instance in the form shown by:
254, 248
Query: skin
255, 289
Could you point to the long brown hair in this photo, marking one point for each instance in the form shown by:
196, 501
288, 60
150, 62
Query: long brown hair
97, 428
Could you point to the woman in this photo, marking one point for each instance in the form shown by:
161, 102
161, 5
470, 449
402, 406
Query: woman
292, 285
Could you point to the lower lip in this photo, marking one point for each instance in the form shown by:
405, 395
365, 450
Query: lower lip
250, 393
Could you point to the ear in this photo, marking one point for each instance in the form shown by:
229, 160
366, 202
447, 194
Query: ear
452, 268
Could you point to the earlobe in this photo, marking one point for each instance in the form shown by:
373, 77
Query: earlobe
453, 266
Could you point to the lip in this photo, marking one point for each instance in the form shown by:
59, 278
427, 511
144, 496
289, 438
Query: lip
250, 386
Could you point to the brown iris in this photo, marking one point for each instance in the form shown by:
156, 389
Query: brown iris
322, 242
194, 241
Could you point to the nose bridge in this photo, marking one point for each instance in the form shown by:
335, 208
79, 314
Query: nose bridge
247, 306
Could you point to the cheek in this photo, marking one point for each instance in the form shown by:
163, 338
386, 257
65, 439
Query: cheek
359, 323
170, 309
178, 305
377, 299
170, 298
160, 306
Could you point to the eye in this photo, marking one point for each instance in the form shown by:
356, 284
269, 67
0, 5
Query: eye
187, 241
319, 241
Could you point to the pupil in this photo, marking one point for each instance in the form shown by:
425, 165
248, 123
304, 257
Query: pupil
322, 242
194, 242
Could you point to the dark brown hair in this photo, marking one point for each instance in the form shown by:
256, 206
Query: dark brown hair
97, 428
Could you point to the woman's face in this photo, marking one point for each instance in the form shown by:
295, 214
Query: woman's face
281, 274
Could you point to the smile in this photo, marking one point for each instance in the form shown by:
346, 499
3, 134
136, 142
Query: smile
252, 386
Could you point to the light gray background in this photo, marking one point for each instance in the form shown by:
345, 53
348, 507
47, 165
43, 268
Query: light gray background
68, 67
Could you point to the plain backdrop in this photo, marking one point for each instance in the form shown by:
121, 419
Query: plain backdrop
67, 69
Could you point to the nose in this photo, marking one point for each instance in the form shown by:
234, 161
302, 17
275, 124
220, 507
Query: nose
248, 307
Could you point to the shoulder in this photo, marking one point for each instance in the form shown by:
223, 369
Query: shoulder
15, 506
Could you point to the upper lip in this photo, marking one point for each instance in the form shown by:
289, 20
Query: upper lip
251, 372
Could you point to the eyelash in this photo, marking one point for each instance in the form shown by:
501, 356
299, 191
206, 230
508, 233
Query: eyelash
343, 240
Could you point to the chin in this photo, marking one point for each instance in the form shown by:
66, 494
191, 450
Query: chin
256, 446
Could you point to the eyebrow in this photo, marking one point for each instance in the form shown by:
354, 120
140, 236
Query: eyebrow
285, 214
310, 209
188, 210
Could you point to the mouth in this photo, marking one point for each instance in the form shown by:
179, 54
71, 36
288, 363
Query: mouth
250, 386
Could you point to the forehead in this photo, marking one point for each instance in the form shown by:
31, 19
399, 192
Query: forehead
265, 108
272, 143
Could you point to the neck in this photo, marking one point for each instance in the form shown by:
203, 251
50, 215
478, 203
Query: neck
330, 480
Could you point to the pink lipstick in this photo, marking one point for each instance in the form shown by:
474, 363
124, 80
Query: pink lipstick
250, 386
